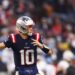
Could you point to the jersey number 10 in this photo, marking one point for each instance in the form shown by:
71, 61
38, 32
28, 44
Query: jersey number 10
27, 57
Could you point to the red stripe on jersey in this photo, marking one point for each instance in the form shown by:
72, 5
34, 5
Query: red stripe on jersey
37, 36
13, 38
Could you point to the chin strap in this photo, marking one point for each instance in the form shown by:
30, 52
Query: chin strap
30, 34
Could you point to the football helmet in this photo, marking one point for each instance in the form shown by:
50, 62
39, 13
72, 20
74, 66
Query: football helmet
22, 24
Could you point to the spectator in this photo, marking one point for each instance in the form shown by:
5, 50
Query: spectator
70, 70
3, 67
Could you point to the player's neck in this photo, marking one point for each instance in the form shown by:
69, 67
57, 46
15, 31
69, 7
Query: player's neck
23, 36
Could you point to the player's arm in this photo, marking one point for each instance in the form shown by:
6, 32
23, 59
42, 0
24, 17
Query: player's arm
2, 45
7, 43
42, 46
47, 50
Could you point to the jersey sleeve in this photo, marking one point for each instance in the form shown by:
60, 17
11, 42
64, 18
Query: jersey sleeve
8, 43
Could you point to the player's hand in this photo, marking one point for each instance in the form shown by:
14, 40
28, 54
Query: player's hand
37, 43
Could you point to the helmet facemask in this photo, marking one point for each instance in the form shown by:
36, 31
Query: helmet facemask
22, 29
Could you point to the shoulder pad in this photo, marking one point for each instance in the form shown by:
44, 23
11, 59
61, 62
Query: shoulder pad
37, 36
13, 38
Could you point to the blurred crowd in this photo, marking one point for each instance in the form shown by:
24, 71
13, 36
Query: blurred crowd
55, 21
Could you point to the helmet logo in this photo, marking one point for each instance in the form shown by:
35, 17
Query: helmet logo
25, 19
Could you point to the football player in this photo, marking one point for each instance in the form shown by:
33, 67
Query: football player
24, 45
